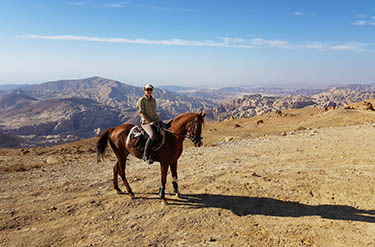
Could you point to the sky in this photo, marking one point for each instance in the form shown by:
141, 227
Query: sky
201, 43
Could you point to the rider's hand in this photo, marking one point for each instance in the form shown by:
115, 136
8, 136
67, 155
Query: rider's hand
152, 123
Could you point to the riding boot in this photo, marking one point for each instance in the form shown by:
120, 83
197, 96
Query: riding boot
147, 152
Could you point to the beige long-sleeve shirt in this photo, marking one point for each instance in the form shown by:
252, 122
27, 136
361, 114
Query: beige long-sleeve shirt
148, 108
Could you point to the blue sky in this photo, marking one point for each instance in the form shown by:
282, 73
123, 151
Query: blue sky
208, 43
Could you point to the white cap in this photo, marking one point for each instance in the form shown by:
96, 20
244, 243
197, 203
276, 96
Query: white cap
148, 86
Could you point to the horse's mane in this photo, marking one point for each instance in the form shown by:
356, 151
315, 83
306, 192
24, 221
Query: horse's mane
186, 114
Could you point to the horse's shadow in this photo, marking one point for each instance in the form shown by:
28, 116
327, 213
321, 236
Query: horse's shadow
244, 205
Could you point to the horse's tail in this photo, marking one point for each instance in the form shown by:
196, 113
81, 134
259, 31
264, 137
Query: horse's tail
102, 144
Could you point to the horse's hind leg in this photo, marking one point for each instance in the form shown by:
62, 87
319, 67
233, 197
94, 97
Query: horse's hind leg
122, 165
115, 178
175, 179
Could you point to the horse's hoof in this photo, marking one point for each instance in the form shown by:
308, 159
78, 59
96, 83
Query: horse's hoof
132, 196
120, 192
165, 202
178, 195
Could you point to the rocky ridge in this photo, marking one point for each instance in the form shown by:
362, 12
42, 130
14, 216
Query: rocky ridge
257, 104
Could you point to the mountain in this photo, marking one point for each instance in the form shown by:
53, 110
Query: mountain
178, 89
228, 93
257, 104
14, 100
113, 93
66, 110
11, 86
9, 140
68, 119
345, 95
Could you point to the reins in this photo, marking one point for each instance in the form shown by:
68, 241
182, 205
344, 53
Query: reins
188, 135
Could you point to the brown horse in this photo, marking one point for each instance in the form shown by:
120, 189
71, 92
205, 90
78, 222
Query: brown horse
187, 125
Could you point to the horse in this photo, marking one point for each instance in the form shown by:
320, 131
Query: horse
187, 125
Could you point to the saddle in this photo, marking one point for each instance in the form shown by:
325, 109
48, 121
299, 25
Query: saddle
137, 137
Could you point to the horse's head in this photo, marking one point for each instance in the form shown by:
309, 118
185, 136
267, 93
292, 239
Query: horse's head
194, 129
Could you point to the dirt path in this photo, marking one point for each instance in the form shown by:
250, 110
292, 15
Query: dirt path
311, 188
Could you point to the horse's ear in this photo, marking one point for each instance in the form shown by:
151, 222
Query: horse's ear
203, 114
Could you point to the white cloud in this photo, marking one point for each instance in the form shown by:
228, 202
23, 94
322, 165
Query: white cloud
225, 42
349, 46
315, 45
360, 23
115, 5
298, 13
272, 43
364, 21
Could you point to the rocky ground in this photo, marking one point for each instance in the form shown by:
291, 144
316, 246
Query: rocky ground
301, 179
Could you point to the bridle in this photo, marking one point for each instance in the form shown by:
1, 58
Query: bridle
190, 133
191, 130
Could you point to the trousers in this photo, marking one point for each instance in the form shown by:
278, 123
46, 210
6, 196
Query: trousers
150, 132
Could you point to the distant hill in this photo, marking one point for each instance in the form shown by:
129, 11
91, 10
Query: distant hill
75, 117
11, 86
228, 93
178, 88
113, 93
14, 99
68, 110
11, 141
258, 104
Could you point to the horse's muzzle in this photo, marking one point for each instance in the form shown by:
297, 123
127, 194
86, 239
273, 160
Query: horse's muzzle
197, 140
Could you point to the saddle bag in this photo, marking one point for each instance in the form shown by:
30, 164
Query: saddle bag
136, 137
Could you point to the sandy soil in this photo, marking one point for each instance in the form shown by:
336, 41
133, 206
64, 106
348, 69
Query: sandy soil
308, 187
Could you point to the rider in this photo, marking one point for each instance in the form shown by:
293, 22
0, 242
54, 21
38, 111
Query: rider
147, 108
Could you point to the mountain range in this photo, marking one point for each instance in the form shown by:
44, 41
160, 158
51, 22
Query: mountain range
67, 110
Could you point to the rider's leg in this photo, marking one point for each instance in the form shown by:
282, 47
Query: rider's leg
148, 146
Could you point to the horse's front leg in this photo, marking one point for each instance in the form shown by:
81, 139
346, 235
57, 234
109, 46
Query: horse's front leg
164, 172
175, 179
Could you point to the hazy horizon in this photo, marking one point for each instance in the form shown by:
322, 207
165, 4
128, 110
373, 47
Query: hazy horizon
196, 43
160, 85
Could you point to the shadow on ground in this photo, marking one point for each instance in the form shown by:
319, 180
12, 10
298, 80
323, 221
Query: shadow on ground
244, 205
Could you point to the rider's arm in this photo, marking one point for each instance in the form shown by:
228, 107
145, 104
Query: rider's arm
141, 110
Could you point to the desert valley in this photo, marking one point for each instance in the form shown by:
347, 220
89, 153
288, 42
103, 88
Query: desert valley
295, 177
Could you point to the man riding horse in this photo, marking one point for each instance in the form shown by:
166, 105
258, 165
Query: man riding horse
146, 106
